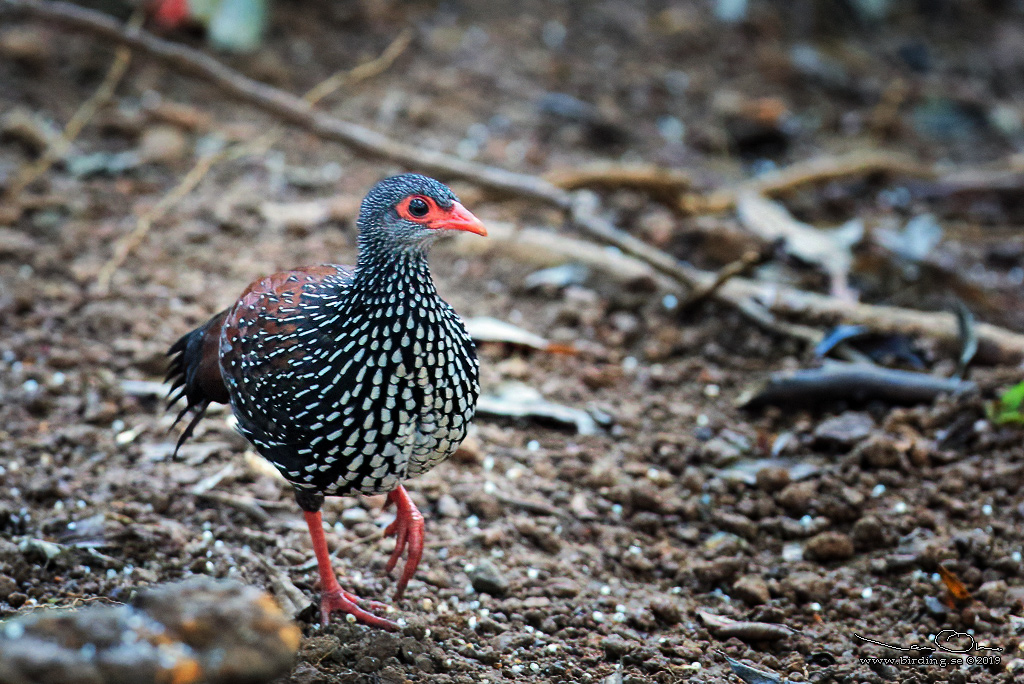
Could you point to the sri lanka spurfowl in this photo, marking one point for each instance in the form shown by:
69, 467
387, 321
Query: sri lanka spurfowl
348, 381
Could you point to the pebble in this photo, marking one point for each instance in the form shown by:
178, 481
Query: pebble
772, 478
448, 507
720, 452
846, 429
562, 588
487, 579
828, 546
666, 611
162, 145
797, 497
735, 523
7, 587
806, 587
868, 533
615, 647
200, 629
935, 607
878, 451
752, 590
484, 505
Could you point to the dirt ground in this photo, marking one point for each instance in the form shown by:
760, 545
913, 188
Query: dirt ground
550, 555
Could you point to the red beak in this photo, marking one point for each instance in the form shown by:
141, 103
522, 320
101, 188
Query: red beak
461, 218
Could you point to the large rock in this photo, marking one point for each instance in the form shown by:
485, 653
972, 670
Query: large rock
201, 630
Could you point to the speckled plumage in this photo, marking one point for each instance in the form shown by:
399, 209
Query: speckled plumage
351, 381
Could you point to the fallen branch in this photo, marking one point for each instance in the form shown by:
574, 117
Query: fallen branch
584, 215
731, 270
856, 382
658, 181
809, 172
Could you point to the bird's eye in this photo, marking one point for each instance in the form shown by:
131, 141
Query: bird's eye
418, 207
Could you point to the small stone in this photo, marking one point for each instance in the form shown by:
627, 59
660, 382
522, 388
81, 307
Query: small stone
484, 505
720, 452
16, 599
448, 507
735, 523
868, 533
409, 649
846, 429
828, 546
7, 587
805, 587
486, 579
666, 611
797, 497
162, 145
644, 496
562, 588
992, 593
615, 647
368, 664
383, 646
1014, 597
752, 590
878, 451
935, 607
424, 663
509, 641
711, 573
772, 478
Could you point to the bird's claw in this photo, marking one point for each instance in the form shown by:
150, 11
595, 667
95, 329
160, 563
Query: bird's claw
342, 601
408, 530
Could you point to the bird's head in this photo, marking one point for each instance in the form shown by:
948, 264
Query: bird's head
410, 210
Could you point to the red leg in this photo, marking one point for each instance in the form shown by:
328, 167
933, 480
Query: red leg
408, 531
333, 598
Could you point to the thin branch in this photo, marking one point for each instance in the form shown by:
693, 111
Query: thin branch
365, 71
731, 270
810, 172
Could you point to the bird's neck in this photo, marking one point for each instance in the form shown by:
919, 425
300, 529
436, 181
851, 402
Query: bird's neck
384, 273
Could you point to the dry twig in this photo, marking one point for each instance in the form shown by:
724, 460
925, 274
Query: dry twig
658, 181
809, 172
724, 275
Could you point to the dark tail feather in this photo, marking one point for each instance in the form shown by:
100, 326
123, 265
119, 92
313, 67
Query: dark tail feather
194, 374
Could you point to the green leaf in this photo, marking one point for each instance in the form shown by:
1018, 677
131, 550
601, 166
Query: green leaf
1012, 398
1007, 411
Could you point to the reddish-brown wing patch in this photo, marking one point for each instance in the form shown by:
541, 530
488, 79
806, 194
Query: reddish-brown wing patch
271, 298
260, 329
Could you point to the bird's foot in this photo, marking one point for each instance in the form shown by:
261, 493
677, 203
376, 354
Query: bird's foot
408, 530
341, 601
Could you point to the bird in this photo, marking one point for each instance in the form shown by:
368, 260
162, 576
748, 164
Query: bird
348, 380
